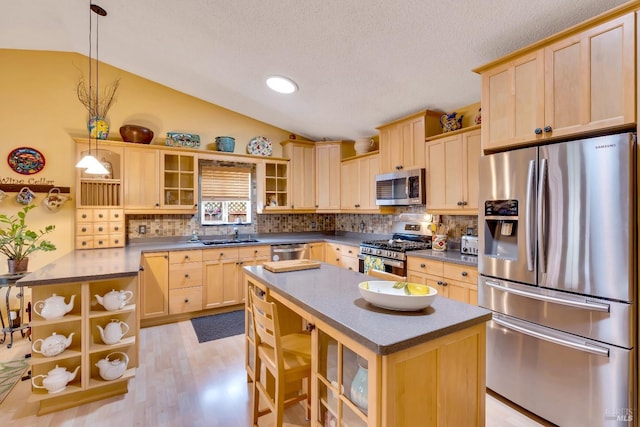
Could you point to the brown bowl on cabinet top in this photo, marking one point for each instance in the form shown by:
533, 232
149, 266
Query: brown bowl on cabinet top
137, 134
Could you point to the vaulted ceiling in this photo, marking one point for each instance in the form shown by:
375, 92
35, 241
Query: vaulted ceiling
358, 63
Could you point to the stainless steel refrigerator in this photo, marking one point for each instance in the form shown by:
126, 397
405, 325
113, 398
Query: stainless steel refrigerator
558, 268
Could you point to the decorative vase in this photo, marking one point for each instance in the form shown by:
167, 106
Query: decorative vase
98, 128
17, 266
359, 386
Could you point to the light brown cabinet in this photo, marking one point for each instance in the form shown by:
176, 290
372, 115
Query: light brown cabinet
185, 281
394, 395
567, 85
154, 285
317, 251
222, 270
302, 156
87, 348
402, 141
142, 179
452, 172
179, 181
273, 185
344, 256
99, 228
328, 156
358, 190
459, 282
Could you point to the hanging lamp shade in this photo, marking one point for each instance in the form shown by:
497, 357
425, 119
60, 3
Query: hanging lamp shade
89, 162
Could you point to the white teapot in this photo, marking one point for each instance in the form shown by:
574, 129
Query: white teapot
52, 345
56, 379
115, 300
53, 307
112, 369
113, 331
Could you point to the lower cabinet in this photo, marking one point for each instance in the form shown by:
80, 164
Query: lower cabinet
87, 358
455, 281
185, 281
223, 280
154, 285
316, 251
344, 256
354, 386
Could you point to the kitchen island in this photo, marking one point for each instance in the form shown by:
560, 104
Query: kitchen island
421, 368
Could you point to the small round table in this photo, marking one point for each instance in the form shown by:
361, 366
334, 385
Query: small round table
7, 281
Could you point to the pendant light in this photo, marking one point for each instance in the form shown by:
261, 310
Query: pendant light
89, 163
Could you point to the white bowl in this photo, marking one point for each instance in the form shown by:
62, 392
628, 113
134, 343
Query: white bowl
400, 296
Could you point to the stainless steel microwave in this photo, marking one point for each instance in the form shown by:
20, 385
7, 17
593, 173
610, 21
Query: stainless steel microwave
401, 188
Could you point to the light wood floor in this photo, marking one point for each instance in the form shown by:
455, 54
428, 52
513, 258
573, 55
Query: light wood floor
181, 383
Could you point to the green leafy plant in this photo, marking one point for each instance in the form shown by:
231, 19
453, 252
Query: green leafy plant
17, 241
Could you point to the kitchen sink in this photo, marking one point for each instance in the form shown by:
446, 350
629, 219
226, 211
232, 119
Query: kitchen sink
228, 241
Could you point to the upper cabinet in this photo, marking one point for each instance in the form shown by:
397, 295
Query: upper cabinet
273, 185
569, 84
142, 180
358, 188
452, 172
402, 141
328, 175
179, 181
302, 156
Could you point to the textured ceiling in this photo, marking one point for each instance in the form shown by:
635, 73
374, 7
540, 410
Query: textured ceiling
358, 63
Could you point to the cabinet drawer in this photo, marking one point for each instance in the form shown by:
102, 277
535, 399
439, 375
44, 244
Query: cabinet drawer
85, 242
100, 228
116, 240
423, 265
116, 228
84, 215
350, 263
254, 252
219, 254
184, 257
84, 229
350, 251
116, 215
101, 215
101, 241
185, 275
462, 273
185, 300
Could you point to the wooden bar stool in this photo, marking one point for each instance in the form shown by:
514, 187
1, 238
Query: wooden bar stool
386, 276
286, 358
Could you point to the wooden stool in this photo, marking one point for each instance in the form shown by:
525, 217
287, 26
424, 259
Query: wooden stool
287, 358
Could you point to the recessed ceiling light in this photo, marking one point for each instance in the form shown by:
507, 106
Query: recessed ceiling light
281, 84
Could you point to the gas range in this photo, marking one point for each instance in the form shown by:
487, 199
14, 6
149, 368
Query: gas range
407, 236
394, 248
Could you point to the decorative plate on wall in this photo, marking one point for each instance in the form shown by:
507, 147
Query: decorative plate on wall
26, 161
260, 146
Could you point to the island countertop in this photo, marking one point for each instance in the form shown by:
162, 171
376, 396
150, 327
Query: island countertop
331, 295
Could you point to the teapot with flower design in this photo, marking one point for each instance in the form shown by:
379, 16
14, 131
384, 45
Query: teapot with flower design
451, 121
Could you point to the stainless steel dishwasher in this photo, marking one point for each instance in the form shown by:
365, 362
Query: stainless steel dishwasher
289, 251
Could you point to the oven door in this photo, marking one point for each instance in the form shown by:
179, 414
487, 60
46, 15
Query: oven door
388, 265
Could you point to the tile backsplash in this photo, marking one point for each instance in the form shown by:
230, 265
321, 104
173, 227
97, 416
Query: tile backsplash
185, 225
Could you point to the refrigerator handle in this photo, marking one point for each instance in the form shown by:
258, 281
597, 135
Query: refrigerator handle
531, 177
593, 349
542, 208
594, 306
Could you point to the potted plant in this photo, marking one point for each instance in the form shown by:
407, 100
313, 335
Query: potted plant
17, 241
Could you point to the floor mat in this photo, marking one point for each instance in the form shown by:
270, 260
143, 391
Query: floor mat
209, 328
10, 374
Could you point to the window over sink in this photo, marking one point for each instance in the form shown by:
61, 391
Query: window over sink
225, 193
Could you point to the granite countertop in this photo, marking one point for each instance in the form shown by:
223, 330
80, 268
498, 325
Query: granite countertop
81, 265
331, 294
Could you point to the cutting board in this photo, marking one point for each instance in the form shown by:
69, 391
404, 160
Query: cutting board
291, 265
